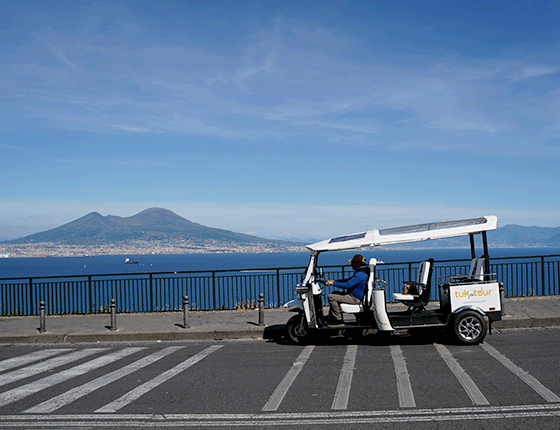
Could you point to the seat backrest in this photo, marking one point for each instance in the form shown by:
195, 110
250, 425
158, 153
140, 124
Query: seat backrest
423, 274
477, 268
368, 294
425, 279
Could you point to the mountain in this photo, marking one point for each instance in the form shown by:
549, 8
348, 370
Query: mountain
519, 236
508, 236
153, 224
163, 226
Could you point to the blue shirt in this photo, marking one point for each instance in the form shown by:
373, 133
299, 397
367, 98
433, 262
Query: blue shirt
356, 284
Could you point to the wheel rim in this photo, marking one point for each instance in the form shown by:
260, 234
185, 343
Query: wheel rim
470, 328
299, 329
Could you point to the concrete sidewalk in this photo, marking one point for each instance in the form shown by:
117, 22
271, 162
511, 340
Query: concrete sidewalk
542, 311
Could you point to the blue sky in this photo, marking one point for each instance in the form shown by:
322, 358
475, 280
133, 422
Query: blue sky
282, 119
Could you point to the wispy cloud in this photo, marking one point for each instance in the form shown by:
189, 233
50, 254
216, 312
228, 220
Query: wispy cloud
107, 161
421, 145
530, 72
462, 125
129, 128
57, 52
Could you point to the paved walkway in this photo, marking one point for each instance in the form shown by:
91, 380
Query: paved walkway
217, 325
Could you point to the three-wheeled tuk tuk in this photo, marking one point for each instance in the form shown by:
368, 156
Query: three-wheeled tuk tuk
468, 303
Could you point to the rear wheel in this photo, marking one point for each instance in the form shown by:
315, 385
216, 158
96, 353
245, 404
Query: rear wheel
469, 327
297, 329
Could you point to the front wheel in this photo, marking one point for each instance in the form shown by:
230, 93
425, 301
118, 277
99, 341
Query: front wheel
297, 329
469, 327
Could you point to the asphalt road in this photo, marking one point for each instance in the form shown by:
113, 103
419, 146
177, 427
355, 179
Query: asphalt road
399, 382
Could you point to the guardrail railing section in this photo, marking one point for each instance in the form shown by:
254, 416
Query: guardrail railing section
240, 289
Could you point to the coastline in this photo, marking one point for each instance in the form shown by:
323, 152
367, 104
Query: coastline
50, 249
53, 249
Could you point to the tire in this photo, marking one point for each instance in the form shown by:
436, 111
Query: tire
469, 327
297, 329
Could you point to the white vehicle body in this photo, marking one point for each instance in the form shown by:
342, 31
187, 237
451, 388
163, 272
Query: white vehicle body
465, 301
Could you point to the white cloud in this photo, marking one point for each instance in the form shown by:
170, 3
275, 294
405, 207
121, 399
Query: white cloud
128, 128
535, 72
60, 55
462, 125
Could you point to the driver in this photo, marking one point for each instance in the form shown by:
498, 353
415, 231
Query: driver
354, 287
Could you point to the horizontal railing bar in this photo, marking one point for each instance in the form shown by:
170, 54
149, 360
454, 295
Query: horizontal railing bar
234, 288
209, 272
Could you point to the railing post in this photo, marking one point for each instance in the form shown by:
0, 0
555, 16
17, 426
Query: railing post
278, 286
30, 295
214, 289
113, 307
542, 276
90, 296
152, 307
261, 309
186, 312
42, 313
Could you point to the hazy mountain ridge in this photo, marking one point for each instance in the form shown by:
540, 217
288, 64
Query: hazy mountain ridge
154, 224
161, 225
508, 236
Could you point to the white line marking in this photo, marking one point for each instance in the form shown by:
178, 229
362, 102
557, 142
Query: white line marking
10, 363
278, 395
342, 393
129, 397
18, 393
468, 384
43, 366
57, 402
406, 396
548, 395
287, 419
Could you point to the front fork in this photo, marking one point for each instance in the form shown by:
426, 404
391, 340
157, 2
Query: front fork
312, 308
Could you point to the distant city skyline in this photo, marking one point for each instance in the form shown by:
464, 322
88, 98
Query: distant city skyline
280, 119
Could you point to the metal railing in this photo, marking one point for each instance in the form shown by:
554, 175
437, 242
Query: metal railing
234, 289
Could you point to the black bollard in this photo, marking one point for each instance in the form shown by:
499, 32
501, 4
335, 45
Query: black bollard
186, 312
261, 309
502, 296
113, 307
42, 313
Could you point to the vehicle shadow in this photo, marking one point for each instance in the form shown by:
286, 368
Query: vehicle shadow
278, 334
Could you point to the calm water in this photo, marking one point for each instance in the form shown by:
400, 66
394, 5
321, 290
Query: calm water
60, 266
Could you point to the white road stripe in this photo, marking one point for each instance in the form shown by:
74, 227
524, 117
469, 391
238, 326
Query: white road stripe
50, 364
281, 390
10, 363
468, 384
406, 396
18, 393
548, 395
312, 419
129, 397
78, 392
342, 393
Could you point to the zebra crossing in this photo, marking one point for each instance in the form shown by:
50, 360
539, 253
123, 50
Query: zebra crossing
23, 377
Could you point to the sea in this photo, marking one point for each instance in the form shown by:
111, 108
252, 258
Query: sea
14, 267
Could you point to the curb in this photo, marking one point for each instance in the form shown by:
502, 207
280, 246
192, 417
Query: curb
263, 333
121, 336
526, 323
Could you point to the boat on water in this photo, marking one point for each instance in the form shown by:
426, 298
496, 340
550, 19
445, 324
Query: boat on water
129, 261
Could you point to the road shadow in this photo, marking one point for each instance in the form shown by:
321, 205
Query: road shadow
275, 333
278, 334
